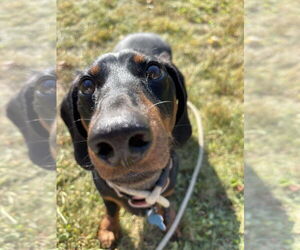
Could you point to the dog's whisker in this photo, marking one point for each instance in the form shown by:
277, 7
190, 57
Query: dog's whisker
39, 119
81, 119
82, 141
74, 122
75, 142
85, 158
124, 163
156, 104
129, 163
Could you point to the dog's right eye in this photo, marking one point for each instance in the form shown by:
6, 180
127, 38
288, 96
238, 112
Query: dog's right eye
87, 87
47, 87
153, 72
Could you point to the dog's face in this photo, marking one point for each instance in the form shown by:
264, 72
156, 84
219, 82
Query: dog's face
126, 108
33, 111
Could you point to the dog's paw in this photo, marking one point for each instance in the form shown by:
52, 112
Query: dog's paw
109, 232
107, 239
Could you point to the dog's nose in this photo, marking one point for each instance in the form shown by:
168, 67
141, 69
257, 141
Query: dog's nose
121, 140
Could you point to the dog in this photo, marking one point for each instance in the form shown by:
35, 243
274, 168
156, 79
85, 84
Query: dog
33, 111
126, 114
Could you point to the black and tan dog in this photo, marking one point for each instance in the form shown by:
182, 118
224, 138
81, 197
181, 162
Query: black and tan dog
33, 111
126, 115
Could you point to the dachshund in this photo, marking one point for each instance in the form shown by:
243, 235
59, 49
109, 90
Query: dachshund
127, 113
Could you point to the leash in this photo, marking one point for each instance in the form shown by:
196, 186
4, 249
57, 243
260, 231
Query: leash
191, 186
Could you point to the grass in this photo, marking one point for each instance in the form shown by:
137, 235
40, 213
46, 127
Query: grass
207, 41
27, 193
272, 130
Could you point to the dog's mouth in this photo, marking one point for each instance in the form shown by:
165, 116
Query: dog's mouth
138, 202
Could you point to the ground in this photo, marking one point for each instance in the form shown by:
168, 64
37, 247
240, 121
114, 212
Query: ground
207, 41
272, 125
27, 192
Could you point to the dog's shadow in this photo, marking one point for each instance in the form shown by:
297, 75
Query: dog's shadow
209, 220
266, 221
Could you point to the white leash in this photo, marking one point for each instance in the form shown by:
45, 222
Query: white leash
190, 189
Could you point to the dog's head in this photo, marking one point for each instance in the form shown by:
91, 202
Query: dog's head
33, 111
125, 113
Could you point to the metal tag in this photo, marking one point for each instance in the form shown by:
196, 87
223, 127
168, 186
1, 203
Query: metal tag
156, 219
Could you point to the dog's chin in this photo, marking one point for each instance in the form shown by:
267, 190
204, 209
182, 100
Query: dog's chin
135, 180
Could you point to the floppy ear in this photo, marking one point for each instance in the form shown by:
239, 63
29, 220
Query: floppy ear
71, 117
182, 130
21, 112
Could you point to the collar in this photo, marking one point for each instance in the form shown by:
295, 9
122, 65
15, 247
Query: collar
146, 198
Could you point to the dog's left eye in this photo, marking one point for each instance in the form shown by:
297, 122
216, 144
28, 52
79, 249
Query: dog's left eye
153, 72
47, 87
87, 87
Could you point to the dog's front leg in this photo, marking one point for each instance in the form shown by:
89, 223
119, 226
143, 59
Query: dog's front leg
109, 228
169, 215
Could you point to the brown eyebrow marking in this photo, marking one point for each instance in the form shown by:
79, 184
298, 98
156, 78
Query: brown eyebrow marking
138, 58
95, 70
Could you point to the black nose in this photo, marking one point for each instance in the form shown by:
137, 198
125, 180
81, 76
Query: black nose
120, 140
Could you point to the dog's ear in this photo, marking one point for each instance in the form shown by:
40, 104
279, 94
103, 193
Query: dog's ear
21, 112
182, 130
71, 117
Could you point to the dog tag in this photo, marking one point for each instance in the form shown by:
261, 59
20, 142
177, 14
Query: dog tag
156, 219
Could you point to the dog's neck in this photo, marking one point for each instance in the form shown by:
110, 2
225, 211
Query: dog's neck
151, 197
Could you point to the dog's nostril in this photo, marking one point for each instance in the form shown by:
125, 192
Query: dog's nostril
105, 150
139, 142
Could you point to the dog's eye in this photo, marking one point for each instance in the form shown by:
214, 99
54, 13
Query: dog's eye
153, 72
87, 87
47, 87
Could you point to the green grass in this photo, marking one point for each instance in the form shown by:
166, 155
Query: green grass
207, 41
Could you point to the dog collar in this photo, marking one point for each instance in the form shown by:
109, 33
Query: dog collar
150, 197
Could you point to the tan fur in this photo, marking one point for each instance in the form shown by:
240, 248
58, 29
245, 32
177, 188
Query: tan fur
138, 58
109, 228
109, 231
142, 184
94, 70
84, 125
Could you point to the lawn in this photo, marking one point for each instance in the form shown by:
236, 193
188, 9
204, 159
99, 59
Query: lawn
272, 121
207, 41
27, 192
